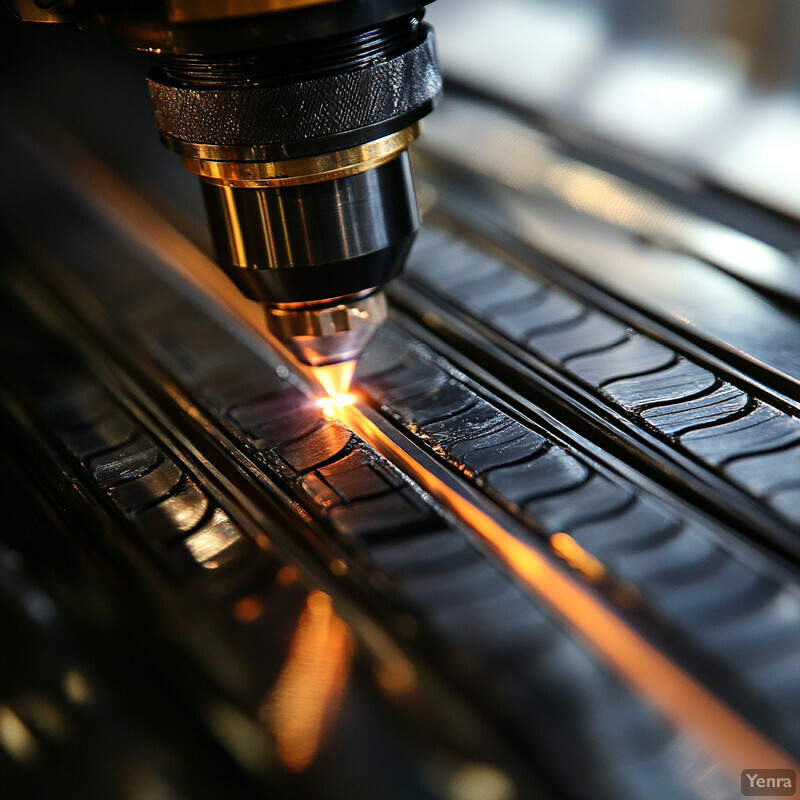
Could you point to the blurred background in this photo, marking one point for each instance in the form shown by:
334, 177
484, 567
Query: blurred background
712, 86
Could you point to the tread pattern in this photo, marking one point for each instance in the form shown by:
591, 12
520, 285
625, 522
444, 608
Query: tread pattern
173, 516
688, 578
430, 567
700, 411
717, 423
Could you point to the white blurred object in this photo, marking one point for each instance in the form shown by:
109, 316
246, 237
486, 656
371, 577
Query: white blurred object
684, 84
658, 98
529, 50
760, 157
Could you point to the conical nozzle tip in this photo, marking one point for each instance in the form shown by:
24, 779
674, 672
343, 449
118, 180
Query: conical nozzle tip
328, 333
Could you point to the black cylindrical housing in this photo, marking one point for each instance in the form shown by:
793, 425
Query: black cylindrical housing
318, 240
325, 232
283, 103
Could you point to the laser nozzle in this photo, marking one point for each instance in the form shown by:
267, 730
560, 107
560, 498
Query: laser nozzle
329, 335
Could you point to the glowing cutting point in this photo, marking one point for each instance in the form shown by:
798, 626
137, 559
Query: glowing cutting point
335, 380
332, 404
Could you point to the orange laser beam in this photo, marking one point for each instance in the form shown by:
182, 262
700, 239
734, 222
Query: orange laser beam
335, 379
676, 694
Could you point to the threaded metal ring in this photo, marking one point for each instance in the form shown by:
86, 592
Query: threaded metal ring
309, 109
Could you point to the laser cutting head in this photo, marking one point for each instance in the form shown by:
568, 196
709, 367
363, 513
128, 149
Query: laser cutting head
296, 115
302, 153
316, 253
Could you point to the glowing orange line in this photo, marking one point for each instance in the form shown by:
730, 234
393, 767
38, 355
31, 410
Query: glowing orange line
682, 700
578, 558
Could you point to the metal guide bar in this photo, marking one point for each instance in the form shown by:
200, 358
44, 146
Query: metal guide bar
495, 143
747, 442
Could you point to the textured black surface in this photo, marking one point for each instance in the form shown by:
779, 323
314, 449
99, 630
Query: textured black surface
675, 418
683, 402
767, 473
166, 507
512, 443
149, 488
133, 460
687, 576
592, 500
310, 109
546, 473
681, 381
636, 355
321, 444
175, 515
108, 433
593, 332
358, 476
760, 431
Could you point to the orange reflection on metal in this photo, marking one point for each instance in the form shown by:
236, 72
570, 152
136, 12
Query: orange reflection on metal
248, 609
676, 694
287, 575
585, 563
309, 690
397, 675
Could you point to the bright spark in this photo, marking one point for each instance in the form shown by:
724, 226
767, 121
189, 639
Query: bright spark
334, 403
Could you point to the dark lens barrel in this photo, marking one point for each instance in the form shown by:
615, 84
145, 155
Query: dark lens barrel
317, 240
304, 199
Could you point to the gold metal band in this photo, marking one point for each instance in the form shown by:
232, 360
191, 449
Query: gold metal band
297, 171
196, 10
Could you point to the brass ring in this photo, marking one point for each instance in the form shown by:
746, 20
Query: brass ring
297, 171
195, 10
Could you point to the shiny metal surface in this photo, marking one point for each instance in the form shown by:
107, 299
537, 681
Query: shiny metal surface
315, 224
250, 172
500, 147
310, 253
